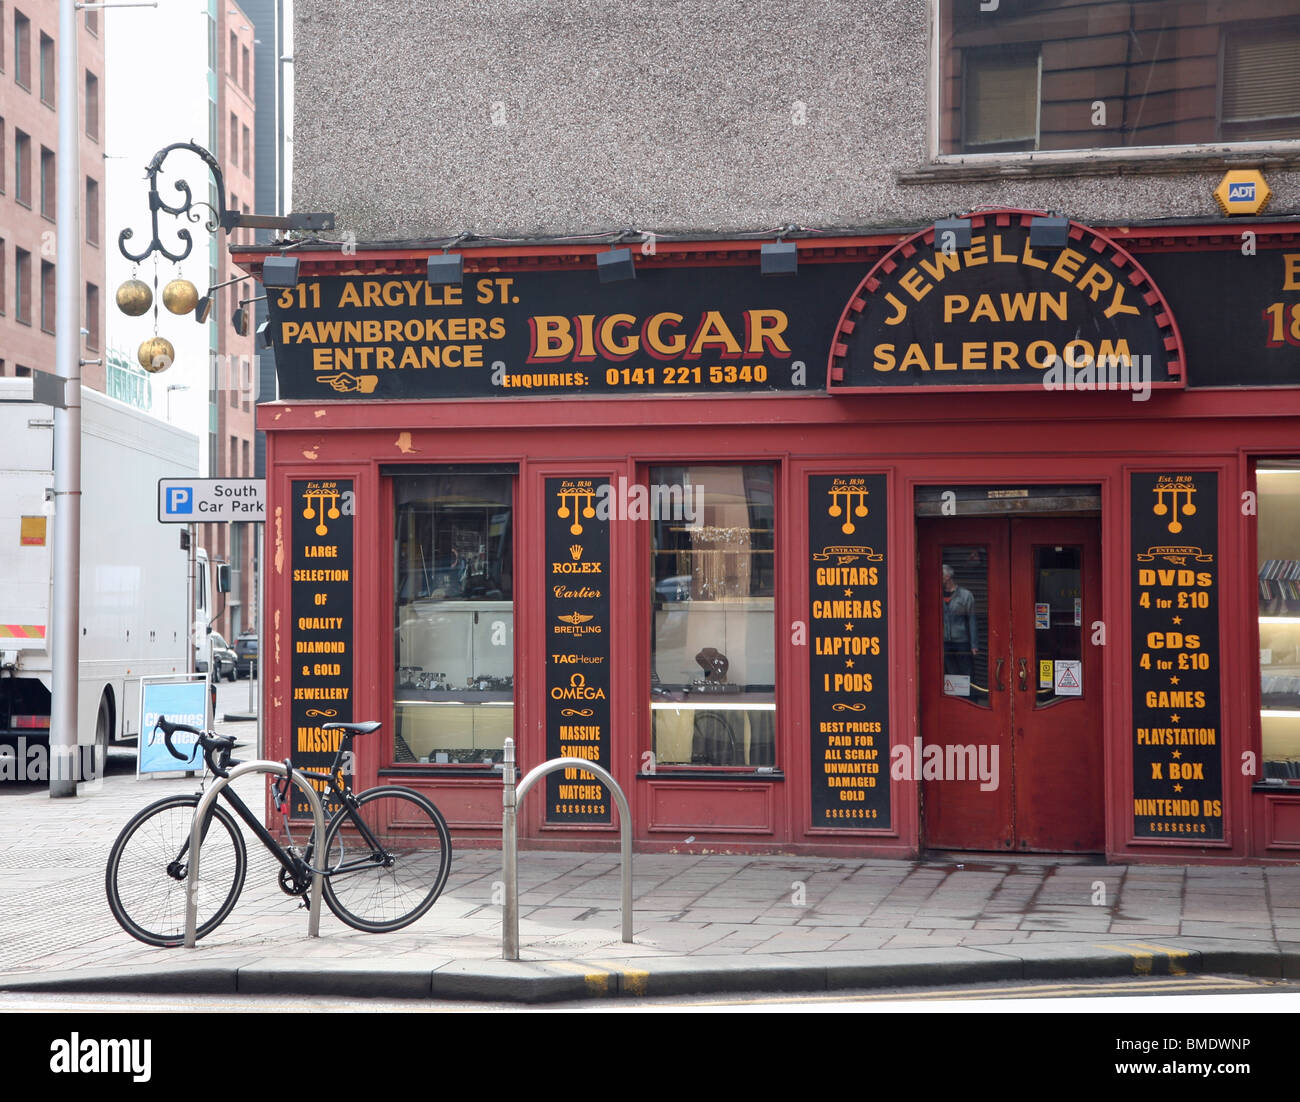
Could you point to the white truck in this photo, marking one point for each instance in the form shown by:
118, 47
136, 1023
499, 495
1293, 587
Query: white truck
136, 598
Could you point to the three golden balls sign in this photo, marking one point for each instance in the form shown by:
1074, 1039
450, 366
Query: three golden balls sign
134, 297
156, 354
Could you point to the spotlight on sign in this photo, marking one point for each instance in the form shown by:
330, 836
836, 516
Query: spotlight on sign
280, 271
202, 309
952, 233
779, 258
239, 319
446, 269
615, 265
1052, 232
264, 335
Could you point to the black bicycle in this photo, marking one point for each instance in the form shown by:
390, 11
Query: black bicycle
387, 851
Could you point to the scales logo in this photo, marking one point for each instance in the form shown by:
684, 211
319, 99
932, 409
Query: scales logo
324, 501
1179, 484
568, 492
848, 489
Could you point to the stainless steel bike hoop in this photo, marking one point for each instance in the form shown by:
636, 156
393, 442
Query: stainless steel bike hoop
196, 838
510, 797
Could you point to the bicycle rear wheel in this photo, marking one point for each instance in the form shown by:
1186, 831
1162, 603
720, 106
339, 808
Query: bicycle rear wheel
148, 864
388, 887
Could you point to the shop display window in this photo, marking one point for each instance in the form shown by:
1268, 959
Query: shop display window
453, 616
1278, 482
713, 634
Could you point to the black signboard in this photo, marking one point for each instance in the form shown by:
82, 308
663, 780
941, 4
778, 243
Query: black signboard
680, 330
577, 646
1177, 759
848, 651
1003, 313
1239, 313
320, 633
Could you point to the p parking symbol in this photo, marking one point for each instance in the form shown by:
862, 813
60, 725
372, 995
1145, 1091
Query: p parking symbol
180, 499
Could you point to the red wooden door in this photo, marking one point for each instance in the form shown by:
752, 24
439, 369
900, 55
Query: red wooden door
1011, 718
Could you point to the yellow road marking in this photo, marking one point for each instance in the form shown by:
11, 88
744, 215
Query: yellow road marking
1142, 962
1175, 956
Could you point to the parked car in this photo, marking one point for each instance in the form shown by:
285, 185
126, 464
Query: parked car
224, 659
246, 654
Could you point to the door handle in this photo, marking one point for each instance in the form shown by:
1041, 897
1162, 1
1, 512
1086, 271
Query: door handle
1024, 674
997, 674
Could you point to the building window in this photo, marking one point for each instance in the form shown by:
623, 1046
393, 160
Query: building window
212, 49
1261, 85
4, 270
92, 106
1000, 101
22, 168
248, 160
48, 296
243, 448
234, 54
4, 156
1042, 77
243, 78
22, 50
3, 18
1278, 544
47, 69
713, 632
92, 211
453, 616
234, 139
92, 22
23, 286
92, 316
48, 181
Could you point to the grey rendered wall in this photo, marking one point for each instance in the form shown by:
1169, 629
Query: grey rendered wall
422, 119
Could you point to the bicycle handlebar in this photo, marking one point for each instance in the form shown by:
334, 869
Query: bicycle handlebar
210, 743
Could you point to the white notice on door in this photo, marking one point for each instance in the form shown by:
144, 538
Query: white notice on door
1069, 677
956, 684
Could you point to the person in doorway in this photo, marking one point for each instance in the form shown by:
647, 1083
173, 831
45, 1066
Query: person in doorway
960, 630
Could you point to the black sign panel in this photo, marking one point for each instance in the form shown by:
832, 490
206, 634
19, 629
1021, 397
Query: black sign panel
320, 633
848, 651
577, 646
1177, 758
674, 330
1004, 313
1239, 313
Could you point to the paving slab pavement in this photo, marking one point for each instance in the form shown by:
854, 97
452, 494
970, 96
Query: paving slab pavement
702, 923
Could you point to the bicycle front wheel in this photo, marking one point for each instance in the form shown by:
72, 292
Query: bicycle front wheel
148, 866
385, 876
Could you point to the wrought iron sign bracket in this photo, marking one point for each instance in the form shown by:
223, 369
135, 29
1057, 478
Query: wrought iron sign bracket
219, 217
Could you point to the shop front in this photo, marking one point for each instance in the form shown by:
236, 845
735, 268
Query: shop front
931, 545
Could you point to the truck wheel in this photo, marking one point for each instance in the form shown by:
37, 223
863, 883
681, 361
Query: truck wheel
103, 733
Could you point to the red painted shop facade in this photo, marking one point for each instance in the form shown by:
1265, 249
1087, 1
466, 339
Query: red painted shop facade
929, 546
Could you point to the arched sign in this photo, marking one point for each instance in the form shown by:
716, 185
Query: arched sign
1001, 313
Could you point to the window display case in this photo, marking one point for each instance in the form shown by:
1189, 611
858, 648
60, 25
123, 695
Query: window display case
453, 683
1278, 484
713, 667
